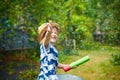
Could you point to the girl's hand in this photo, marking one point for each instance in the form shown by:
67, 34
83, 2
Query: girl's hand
64, 66
49, 29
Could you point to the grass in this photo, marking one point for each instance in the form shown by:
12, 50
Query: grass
98, 68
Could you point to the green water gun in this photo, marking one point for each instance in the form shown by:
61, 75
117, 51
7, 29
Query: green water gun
77, 63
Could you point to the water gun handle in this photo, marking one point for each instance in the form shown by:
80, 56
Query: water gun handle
77, 63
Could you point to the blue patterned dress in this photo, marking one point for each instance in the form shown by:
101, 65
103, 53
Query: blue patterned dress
49, 63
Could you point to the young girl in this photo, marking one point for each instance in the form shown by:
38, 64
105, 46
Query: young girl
48, 33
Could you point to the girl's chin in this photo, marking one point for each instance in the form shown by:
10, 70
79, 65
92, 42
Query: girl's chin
53, 41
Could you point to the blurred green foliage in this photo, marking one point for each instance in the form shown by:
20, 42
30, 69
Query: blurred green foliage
78, 20
116, 58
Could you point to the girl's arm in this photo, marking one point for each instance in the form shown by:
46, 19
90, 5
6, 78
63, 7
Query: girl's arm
62, 66
46, 39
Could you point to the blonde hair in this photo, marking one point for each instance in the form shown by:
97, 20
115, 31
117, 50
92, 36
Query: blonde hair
42, 30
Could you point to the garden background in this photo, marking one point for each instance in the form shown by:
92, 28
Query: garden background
87, 27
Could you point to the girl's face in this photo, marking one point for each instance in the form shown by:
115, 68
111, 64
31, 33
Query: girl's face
54, 35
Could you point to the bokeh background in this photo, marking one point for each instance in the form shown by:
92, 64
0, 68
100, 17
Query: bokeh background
87, 27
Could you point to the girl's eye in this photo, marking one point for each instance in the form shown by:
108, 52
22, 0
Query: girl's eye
54, 30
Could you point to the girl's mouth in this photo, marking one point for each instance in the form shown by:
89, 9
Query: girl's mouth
54, 37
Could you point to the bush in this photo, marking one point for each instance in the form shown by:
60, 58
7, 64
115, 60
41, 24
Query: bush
28, 75
116, 58
89, 45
